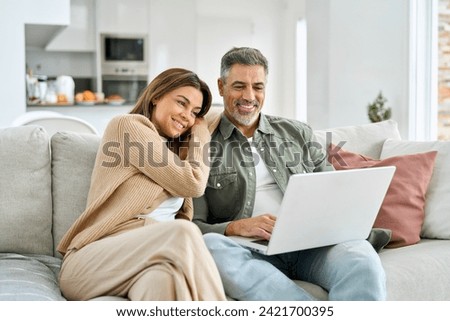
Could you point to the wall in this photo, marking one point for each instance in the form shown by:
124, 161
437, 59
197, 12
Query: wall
172, 33
13, 17
355, 49
363, 48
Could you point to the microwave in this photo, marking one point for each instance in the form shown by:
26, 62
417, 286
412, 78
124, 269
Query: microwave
124, 54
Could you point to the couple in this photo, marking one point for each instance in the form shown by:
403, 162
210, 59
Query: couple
136, 239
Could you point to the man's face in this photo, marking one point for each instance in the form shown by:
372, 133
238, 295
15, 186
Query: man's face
243, 93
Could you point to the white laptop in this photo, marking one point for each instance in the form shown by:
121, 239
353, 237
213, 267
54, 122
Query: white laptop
325, 208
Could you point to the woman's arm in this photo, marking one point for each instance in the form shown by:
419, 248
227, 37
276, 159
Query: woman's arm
143, 148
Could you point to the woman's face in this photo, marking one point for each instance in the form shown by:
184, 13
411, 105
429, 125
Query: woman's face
175, 112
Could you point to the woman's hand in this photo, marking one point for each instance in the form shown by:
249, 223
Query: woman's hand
200, 121
258, 226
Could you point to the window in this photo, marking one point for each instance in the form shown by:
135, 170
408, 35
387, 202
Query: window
444, 70
423, 70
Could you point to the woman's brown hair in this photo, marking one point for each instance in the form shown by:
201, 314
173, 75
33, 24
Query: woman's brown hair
164, 83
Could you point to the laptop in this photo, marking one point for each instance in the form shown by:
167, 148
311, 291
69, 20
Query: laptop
325, 208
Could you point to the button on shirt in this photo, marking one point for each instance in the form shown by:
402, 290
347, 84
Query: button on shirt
285, 146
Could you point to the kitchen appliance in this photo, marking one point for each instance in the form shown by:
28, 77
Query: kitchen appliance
124, 54
124, 65
128, 87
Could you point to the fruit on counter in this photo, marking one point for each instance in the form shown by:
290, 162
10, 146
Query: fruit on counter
61, 98
88, 95
85, 96
79, 97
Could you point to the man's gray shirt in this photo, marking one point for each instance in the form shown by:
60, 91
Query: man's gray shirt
285, 146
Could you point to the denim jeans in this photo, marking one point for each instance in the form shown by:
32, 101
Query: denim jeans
348, 271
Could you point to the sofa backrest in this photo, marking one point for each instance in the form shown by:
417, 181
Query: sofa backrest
73, 158
25, 191
366, 139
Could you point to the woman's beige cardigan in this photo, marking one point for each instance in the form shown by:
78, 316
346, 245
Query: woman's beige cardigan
134, 172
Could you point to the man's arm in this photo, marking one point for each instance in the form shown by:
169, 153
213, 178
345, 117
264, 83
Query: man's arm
201, 212
259, 226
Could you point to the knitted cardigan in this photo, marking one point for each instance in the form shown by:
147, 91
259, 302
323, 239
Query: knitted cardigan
134, 173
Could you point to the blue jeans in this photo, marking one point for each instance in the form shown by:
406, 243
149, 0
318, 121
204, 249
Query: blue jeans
348, 271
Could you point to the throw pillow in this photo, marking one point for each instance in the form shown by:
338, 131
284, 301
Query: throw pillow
437, 205
365, 139
402, 210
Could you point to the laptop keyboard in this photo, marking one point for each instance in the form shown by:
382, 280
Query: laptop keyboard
262, 242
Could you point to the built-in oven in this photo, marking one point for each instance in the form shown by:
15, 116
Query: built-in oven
128, 87
124, 65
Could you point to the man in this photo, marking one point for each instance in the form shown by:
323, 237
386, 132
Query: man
252, 157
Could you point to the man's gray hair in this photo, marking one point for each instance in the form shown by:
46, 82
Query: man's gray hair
242, 56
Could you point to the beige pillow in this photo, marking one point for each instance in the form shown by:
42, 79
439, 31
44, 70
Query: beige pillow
437, 204
25, 191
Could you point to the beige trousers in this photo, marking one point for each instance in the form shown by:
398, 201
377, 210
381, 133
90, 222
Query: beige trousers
162, 261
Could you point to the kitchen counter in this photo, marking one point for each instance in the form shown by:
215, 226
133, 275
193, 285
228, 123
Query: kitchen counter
61, 105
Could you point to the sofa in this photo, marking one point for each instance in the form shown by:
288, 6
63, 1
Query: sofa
44, 182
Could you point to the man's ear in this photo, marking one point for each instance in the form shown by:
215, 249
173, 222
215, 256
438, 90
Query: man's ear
220, 85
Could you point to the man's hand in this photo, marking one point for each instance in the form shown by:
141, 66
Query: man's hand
258, 226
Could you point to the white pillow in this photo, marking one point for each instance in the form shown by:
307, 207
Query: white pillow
366, 139
437, 204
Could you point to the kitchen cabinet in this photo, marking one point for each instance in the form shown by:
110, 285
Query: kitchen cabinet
79, 36
122, 16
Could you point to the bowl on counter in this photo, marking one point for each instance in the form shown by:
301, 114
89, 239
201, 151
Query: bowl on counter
86, 102
115, 102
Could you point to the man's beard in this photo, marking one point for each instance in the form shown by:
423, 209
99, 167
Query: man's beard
245, 119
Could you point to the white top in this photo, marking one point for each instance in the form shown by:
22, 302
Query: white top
268, 194
166, 211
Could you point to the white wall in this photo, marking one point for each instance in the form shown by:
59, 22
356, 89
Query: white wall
210, 28
13, 17
363, 48
172, 33
355, 49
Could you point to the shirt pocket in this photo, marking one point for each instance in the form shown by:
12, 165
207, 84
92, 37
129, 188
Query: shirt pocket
222, 194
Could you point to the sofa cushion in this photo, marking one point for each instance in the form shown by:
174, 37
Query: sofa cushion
418, 272
25, 185
437, 204
73, 158
402, 210
29, 278
365, 139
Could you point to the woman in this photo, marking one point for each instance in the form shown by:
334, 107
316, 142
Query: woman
135, 238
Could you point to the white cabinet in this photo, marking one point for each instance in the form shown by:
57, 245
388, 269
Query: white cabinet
122, 16
79, 36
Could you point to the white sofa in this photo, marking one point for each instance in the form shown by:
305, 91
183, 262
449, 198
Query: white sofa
44, 183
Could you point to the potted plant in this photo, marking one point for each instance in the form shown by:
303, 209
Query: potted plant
378, 111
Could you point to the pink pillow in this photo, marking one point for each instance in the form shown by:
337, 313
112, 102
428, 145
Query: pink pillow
402, 210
